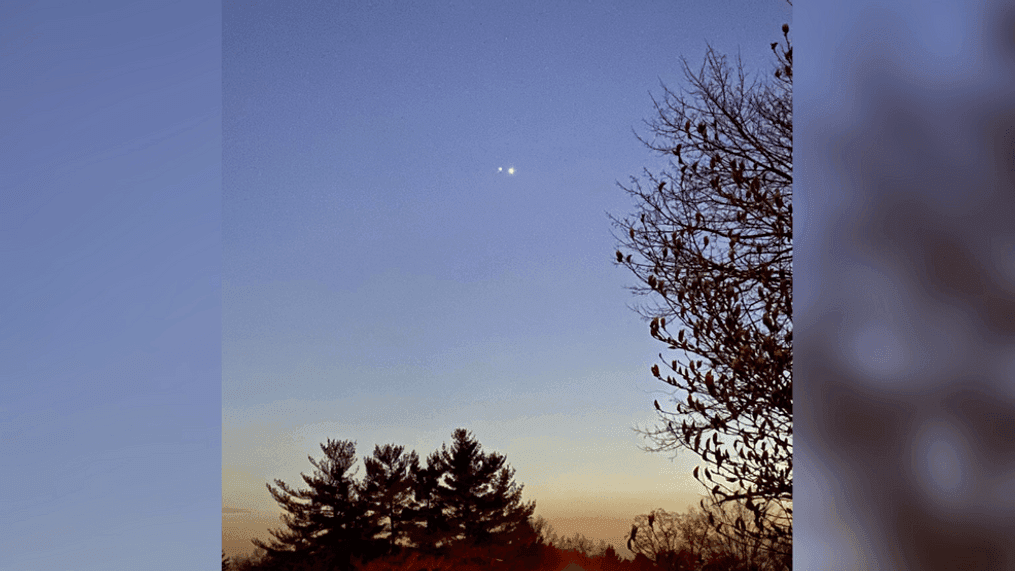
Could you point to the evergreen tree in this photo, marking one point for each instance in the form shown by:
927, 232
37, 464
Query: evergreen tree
428, 530
324, 522
387, 494
478, 497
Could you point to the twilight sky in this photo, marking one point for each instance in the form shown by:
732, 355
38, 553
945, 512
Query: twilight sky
415, 237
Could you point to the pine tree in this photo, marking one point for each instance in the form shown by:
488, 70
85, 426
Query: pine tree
387, 494
428, 530
325, 522
478, 497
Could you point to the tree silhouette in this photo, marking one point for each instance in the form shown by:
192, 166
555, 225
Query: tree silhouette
325, 522
463, 505
611, 560
580, 544
660, 536
711, 245
474, 499
725, 544
428, 528
386, 493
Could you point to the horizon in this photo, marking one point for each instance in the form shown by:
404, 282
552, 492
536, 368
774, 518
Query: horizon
240, 526
590, 515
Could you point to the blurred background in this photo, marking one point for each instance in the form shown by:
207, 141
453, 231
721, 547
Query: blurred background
905, 286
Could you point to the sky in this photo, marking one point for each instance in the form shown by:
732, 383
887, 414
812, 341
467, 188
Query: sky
110, 303
415, 238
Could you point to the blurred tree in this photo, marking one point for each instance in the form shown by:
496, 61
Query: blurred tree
581, 544
641, 563
711, 245
542, 529
611, 561
248, 561
386, 493
225, 561
698, 536
325, 522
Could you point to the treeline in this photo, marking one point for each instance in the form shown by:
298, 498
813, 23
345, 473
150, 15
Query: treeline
668, 541
461, 509
461, 506
706, 539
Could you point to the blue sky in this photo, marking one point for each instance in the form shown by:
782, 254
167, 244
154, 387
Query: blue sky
388, 277
110, 308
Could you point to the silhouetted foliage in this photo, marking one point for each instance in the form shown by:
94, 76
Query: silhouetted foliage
255, 561
542, 529
698, 536
656, 534
387, 494
478, 499
463, 508
723, 519
684, 542
711, 245
689, 541
429, 528
225, 561
580, 544
611, 560
325, 521
641, 563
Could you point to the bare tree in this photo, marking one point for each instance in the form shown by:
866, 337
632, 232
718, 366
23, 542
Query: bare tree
580, 544
711, 246
656, 534
716, 527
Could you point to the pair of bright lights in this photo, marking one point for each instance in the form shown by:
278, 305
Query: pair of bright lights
510, 170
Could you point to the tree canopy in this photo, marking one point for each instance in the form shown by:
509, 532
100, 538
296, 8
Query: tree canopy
325, 520
463, 501
386, 493
479, 503
710, 244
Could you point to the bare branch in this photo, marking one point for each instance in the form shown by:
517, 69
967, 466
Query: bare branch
711, 247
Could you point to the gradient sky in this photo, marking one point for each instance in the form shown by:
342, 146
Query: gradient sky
387, 277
